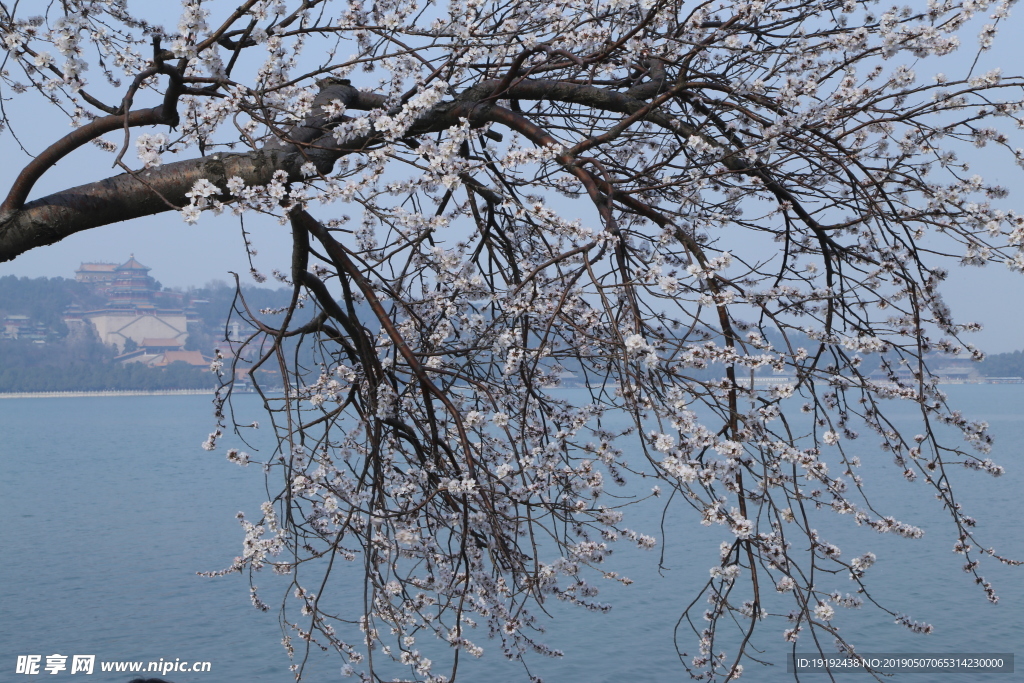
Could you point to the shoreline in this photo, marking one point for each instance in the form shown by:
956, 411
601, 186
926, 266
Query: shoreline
210, 392
111, 392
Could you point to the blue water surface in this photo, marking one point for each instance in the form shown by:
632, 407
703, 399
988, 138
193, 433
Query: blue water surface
110, 508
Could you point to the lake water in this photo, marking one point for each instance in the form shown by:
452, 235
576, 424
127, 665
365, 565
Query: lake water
109, 508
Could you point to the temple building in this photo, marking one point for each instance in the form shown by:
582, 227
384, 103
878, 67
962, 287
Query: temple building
96, 275
161, 352
131, 287
135, 307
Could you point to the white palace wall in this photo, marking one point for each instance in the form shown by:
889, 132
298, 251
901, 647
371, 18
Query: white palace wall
117, 327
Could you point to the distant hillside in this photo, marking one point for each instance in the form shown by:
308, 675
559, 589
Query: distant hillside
44, 300
38, 351
212, 303
50, 357
1003, 365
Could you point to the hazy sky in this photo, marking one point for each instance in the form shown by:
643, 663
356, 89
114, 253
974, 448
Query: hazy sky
181, 255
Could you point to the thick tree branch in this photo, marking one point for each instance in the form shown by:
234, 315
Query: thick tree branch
165, 114
148, 192
123, 197
51, 219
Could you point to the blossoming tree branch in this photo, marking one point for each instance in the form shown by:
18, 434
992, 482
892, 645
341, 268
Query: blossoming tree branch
665, 199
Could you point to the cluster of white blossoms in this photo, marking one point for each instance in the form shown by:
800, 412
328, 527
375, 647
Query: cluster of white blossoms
824, 611
395, 126
238, 457
637, 346
200, 198
150, 147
